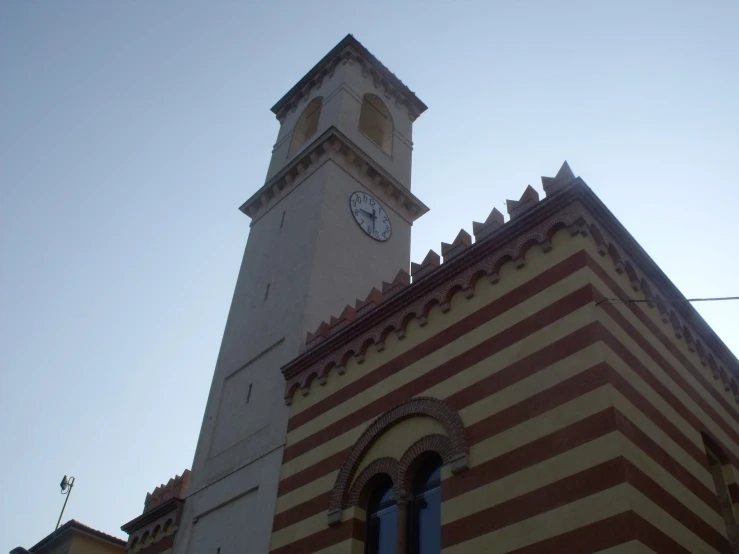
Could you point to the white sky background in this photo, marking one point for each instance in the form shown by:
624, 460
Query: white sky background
130, 132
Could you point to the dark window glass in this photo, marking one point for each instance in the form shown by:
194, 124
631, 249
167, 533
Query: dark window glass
425, 509
382, 520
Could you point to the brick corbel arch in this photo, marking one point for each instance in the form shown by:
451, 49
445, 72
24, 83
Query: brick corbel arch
458, 450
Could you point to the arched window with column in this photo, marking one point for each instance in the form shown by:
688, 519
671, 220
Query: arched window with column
307, 124
375, 122
424, 507
382, 518
399, 498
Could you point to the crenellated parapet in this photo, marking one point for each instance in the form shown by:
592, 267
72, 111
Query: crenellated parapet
518, 207
570, 205
153, 531
373, 299
174, 488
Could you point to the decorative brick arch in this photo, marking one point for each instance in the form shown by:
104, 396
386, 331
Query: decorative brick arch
420, 406
380, 466
409, 463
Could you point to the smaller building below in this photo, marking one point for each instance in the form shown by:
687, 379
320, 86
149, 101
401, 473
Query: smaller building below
76, 538
153, 532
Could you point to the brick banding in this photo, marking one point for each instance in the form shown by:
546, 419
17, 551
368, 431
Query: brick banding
608, 532
663, 339
448, 278
574, 387
499, 306
350, 340
528, 366
570, 489
442, 372
558, 442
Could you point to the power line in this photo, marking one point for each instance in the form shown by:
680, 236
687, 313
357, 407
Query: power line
664, 301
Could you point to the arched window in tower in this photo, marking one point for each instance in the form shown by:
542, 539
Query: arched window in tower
375, 122
424, 517
382, 518
307, 124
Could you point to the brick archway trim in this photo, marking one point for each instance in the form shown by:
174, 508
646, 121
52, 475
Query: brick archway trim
430, 443
381, 466
458, 450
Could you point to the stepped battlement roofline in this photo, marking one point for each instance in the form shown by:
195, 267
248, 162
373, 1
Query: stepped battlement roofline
569, 204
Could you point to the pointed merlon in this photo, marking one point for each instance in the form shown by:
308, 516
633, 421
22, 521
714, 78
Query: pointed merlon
321, 333
462, 241
527, 200
495, 218
553, 184
429, 263
529, 194
373, 299
347, 316
401, 280
323, 329
494, 221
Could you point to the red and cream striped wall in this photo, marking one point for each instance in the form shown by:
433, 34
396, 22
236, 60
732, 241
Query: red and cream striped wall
567, 424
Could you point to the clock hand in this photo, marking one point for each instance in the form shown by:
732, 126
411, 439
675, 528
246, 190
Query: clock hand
366, 213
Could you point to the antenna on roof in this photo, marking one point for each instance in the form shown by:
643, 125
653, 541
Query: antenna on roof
66, 486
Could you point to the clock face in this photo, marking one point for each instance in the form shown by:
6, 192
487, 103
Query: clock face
370, 216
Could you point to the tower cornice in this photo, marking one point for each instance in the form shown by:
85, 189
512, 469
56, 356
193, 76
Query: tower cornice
350, 50
334, 145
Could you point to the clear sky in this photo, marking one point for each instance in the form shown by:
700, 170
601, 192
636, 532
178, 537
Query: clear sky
130, 132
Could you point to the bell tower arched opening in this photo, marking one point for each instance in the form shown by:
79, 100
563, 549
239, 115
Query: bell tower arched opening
376, 123
307, 125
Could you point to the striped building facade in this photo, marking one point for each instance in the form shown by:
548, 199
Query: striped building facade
565, 418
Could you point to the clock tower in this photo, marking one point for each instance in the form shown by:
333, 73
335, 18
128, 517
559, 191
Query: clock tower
332, 220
